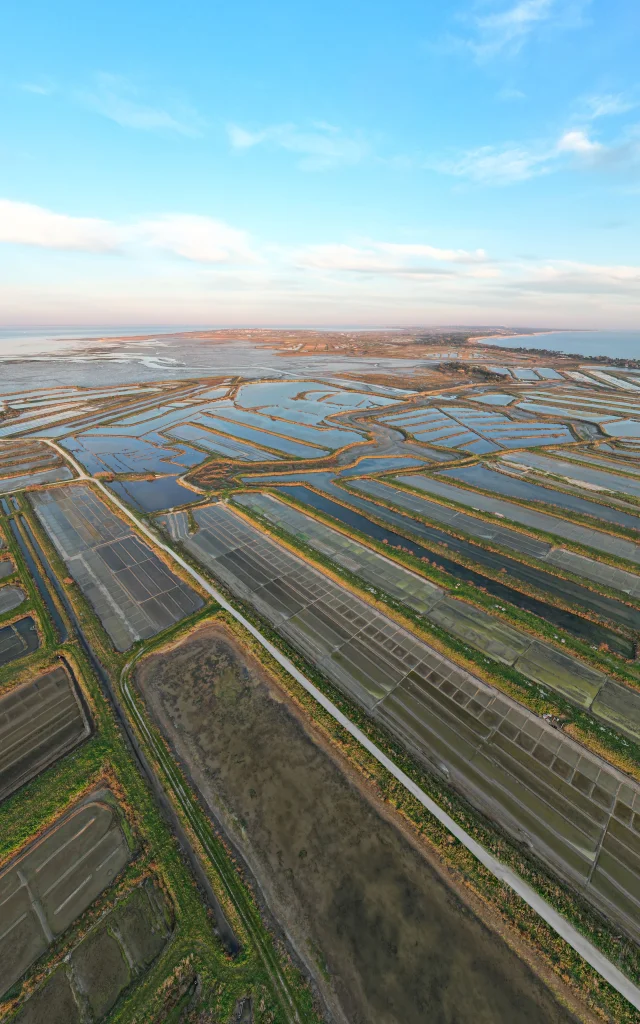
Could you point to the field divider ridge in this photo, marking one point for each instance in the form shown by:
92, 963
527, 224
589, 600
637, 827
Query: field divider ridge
612, 974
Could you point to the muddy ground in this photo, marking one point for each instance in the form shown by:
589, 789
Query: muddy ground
386, 939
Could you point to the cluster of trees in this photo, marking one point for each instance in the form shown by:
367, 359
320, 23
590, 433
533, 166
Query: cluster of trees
472, 369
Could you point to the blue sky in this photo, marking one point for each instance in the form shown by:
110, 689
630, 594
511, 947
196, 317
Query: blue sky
337, 163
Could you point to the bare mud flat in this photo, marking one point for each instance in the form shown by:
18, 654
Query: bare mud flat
386, 939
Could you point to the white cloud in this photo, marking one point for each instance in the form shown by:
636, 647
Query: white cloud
408, 273
574, 279
494, 165
386, 281
403, 250
26, 224
607, 105
195, 238
621, 155
512, 162
367, 282
510, 27
505, 30
200, 239
341, 257
320, 149
38, 88
509, 93
242, 139
116, 99
578, 142
387, 258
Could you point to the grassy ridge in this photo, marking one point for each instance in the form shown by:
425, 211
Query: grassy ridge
557, 954
105, 758
619, 750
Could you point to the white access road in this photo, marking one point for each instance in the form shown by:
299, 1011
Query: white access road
612, 974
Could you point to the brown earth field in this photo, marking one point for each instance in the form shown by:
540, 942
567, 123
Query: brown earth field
399, 342
386, 938
112, 956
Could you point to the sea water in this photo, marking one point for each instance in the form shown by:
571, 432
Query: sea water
615, 344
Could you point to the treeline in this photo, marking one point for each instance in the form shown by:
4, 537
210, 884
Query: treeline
472, 369
620, 363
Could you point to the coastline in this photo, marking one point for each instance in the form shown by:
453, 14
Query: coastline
509, 337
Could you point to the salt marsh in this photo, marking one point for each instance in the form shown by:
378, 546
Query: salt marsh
477, 431
10, 598
543, 521
39, 722
153, 495
428, 543
227, 447
512, 487
572, 471
397, 596
323, 437
385, 937
132, 591
54, 880
467, 622
267, 440
100, 454
507, 761
18, 639
47, 476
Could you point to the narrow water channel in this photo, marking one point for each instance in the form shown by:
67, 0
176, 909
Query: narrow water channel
43, 590
385, 935
592, 632
513, 487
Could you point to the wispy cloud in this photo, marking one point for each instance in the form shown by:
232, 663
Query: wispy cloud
117, 99
512, 162
572, 278
222, 274
509, 93
321, 148
195, 238
389, 259
41, 88
505, 29
406, 274
496, 165
509, 28
606, 105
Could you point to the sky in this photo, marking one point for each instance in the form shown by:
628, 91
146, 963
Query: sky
342, 163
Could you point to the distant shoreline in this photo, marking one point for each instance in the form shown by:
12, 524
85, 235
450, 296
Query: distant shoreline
601, 355
532, 334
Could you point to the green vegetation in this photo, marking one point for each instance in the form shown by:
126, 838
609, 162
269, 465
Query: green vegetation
603, 526
521, 556
105, 759
196, 977
605, 741
611, 664
232, 890
605, 661
560, 957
